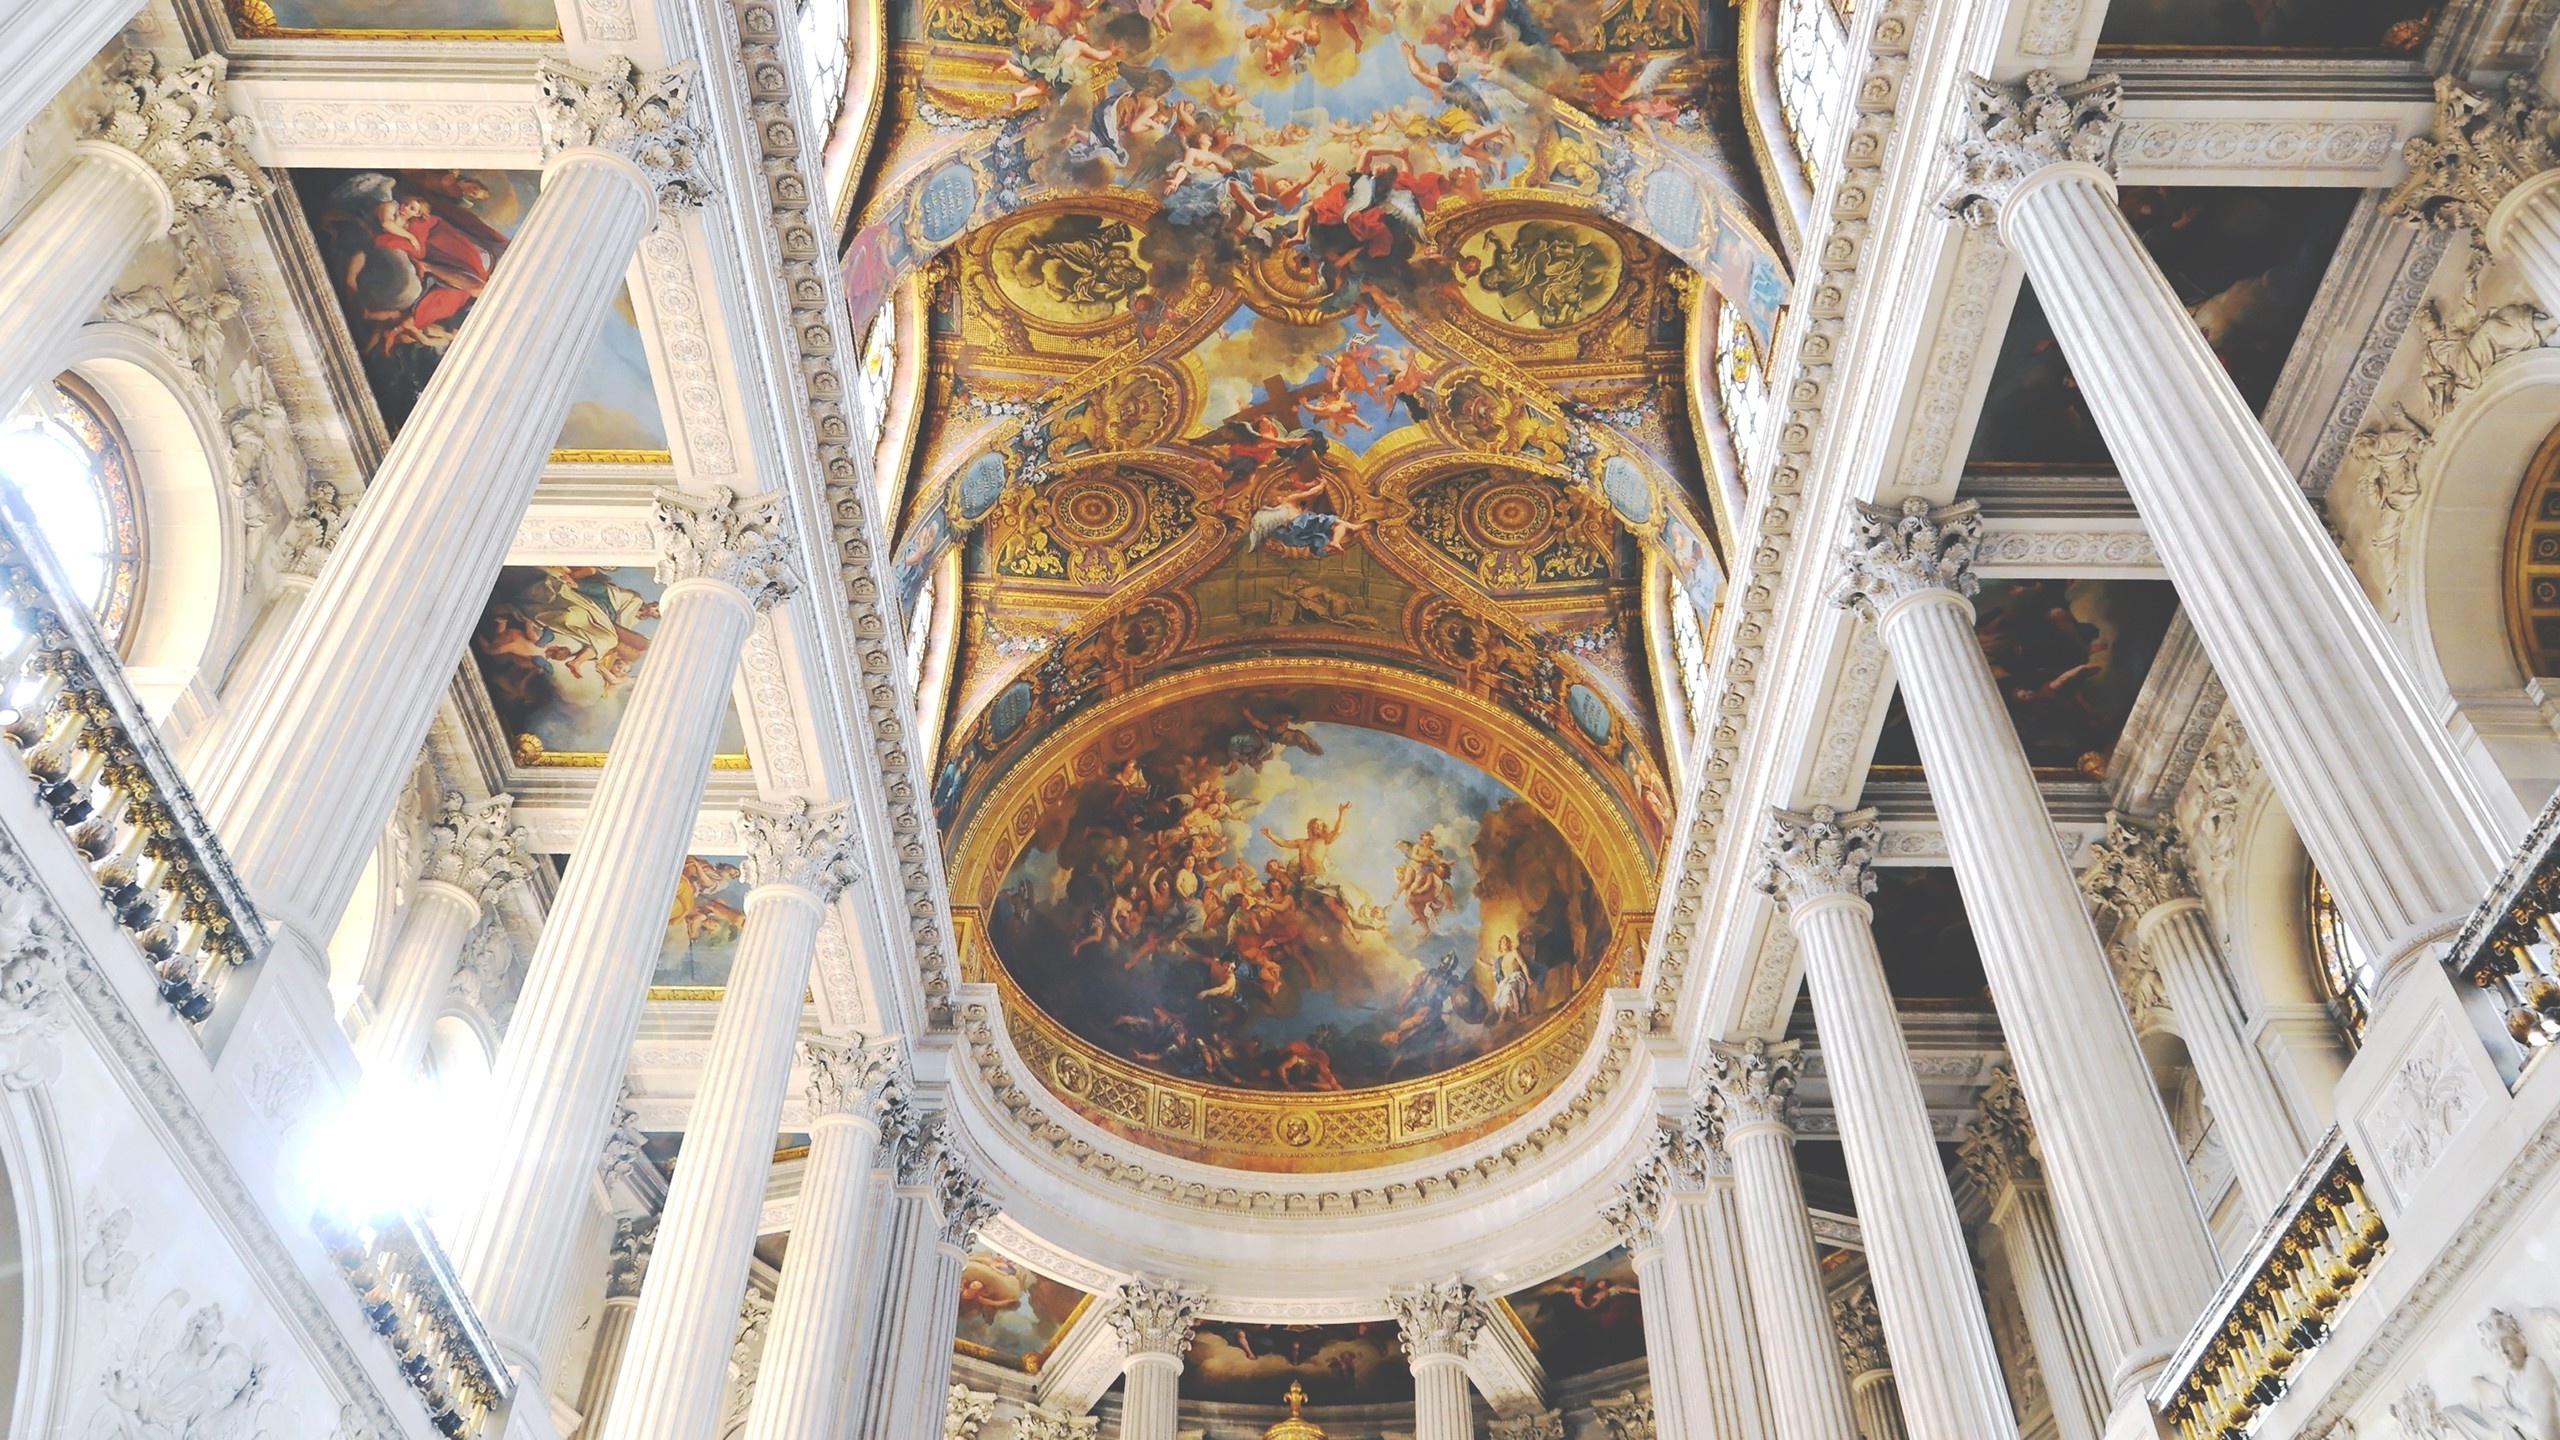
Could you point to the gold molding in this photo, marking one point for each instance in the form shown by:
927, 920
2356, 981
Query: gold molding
256, 20
613, 457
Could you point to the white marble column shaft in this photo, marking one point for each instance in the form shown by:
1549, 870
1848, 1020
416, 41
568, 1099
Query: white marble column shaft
1154, 1319
2119, 1183
2139, 871
579, 1010
44, 45
59, 258
1438, 1324
1808, 1398
1737, 1386
2000, 1150
906, 1383
624, 1274
1677, 1217
805, 1379
474, 851
1150, 1397
1817, 870
1878, 1403
2407, 840
671, 1382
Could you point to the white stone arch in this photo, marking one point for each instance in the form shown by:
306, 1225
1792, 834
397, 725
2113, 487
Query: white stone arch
40, 1239
193, 592
2453, 573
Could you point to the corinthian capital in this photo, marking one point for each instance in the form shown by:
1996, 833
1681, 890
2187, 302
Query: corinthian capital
2011, 132
1438, 1319
1999, 1147
740, 541
1860, 1330
849, 1077
1154, 1317
2137, 868
477, 846
2480, 149
1897, 551
1808, 854
644, 116
1752, 1083
628, 1267
176, 121
797, 843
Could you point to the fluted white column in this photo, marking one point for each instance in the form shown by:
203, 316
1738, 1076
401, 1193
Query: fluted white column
1808, 1399
301, 771
1817, 869
1154, 1319
1868, 1364
1676, 1215
802, 1386
1438, 1323
797, 860
623, 1277
2119, 1183
1999, 1148
905, 1384
475, 850
2406, 838
2489, 166
2140, 872
44, 45
723, 560
164, 144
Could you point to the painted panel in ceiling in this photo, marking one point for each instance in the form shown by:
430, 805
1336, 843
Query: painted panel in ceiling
408, 253
2069, 657
396, 19
1925, 940
704, 923
1586, 1319
559, 649
1011, 1314
2245, 262
1359, 1363
2391, 27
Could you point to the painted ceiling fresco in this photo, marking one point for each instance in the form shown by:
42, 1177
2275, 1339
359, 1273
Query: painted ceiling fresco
2069, 656
1925, 940
559, 650
1343, 1364
397, 19
1010, 1314
1586, 1319
2246, 262
704, 924
2391, 27
408, 253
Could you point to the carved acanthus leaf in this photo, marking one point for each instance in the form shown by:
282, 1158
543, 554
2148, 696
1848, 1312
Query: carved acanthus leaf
799, 844
721, 535
1999, 1147
1442, 1318
849, 1077
1753, 1083
2137, 868
476, 846
175, 120
2011, 132
1819, 852
1155, 1317
1860, 1331
2481, 148
1896, 551
644, 116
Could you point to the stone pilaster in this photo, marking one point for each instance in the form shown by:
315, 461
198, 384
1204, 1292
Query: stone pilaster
1999, 1148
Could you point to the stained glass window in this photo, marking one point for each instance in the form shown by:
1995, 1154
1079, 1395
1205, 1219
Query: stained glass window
62, 451
1742, 384
1689, 645
1813, 80
2346, 974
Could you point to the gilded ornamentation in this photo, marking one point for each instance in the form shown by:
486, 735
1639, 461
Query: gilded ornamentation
798, 844
175, 120
644, 116
1441, 1318
1515, 530
1818, 853
2013, 132
1155, 1317
1754, 1083
1895, 552
2481, 148
721, 535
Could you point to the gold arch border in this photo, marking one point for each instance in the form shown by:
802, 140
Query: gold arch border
1306, 1132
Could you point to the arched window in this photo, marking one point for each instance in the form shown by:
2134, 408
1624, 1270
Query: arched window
1742, 384
1813, 80
62, 451
920, 628
2346, 974
1689, 651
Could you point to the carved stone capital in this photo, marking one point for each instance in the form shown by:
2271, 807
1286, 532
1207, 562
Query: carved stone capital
175, 120
2012, 132
644, 116
1754, 1083
477, 846
737, 540
1536, 1425
2479, 150
624, 1144
1999, 1147
1045, 1422
1629, 1417
967, 1412
1810, 854
2137, 868
1860, 1331
628, 1267
849, 1077
1686, 1155
1438, 1319
1155, 1317
797, 843
1635, 1212
1898, 551
928, 1157
307, 537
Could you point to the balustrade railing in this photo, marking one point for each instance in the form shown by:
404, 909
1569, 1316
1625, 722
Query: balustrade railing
99, 768
2510, 948
2276, 1309
411, 1298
